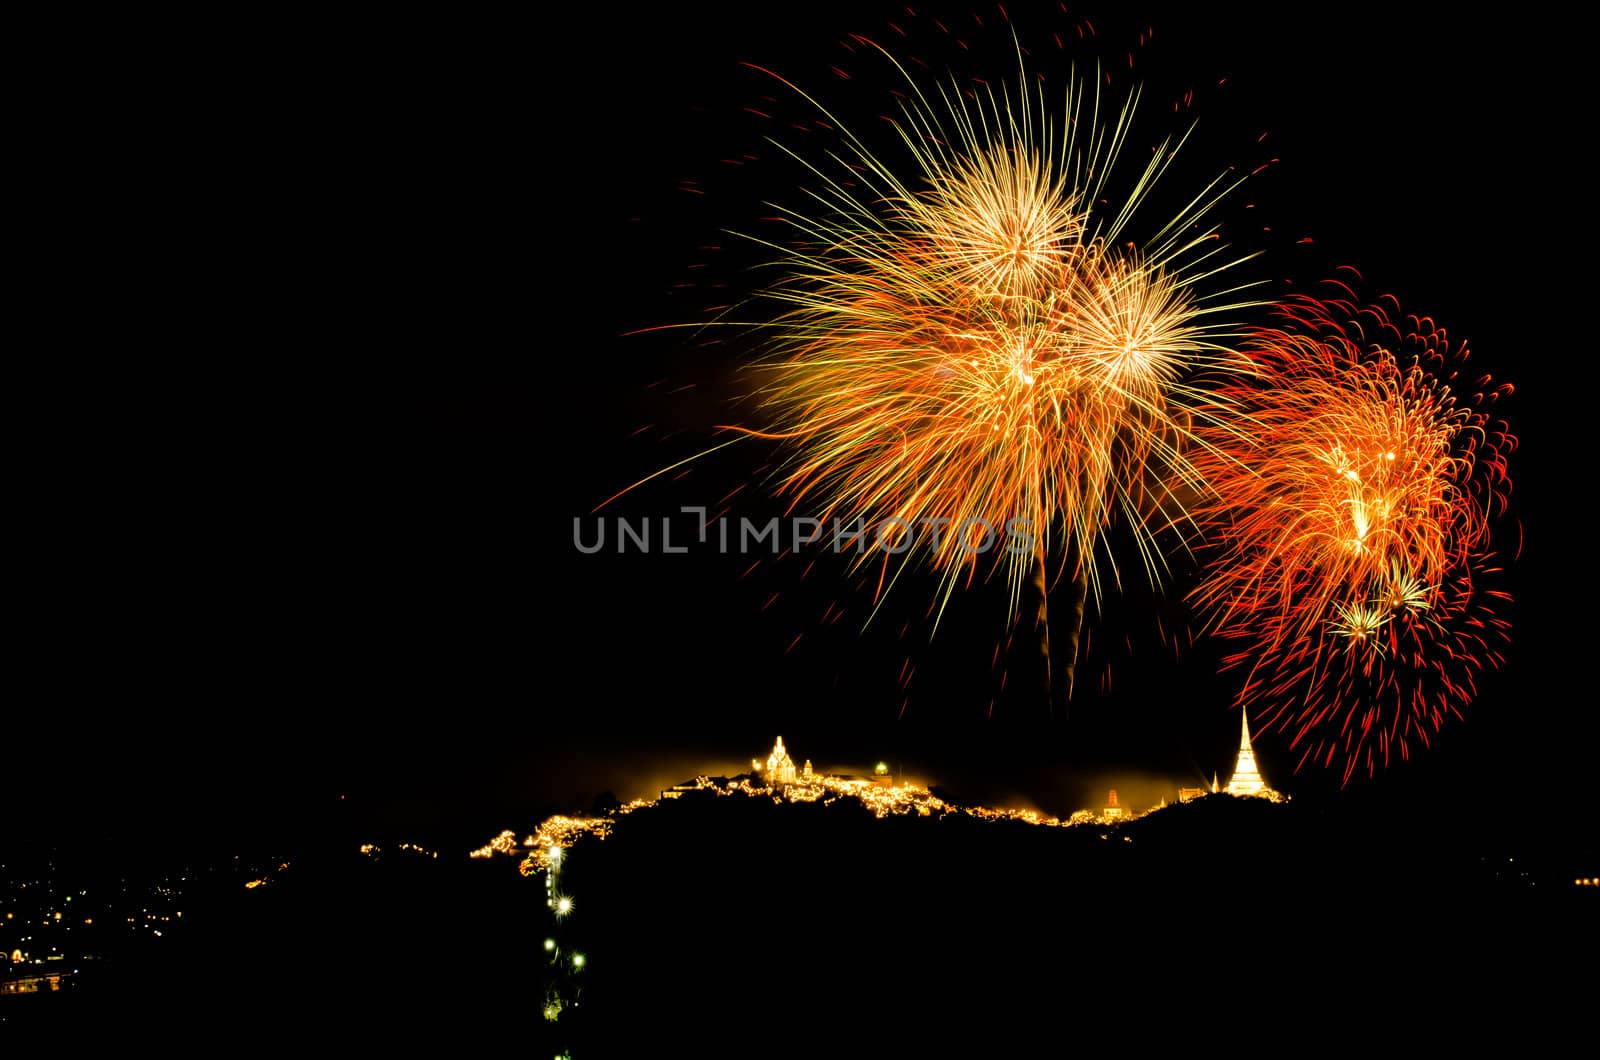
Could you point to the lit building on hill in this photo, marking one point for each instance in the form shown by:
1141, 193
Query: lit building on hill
780, 767
1246, 779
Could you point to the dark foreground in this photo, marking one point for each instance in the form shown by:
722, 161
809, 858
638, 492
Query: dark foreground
711, 924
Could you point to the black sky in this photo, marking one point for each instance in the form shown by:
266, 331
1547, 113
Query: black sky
324, 544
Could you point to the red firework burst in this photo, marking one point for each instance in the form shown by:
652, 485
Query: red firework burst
1354, 489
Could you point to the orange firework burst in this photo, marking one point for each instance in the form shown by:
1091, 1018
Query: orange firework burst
1353, 506
974, 357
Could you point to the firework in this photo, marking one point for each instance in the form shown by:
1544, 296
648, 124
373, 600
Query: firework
1353, 504
971, 351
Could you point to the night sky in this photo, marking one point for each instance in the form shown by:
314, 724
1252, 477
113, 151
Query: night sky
309, 533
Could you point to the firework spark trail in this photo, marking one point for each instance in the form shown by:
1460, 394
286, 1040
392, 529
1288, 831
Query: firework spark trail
974, 345
1352, 513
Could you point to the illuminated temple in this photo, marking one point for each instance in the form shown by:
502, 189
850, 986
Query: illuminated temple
882, 794
1246, 779
780, 767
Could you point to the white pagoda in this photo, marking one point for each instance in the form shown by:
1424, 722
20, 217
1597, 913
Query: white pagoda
1246, 779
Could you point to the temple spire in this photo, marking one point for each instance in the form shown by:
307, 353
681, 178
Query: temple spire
1246, 779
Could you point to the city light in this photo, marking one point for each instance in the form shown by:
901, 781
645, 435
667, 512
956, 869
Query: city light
504, 843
